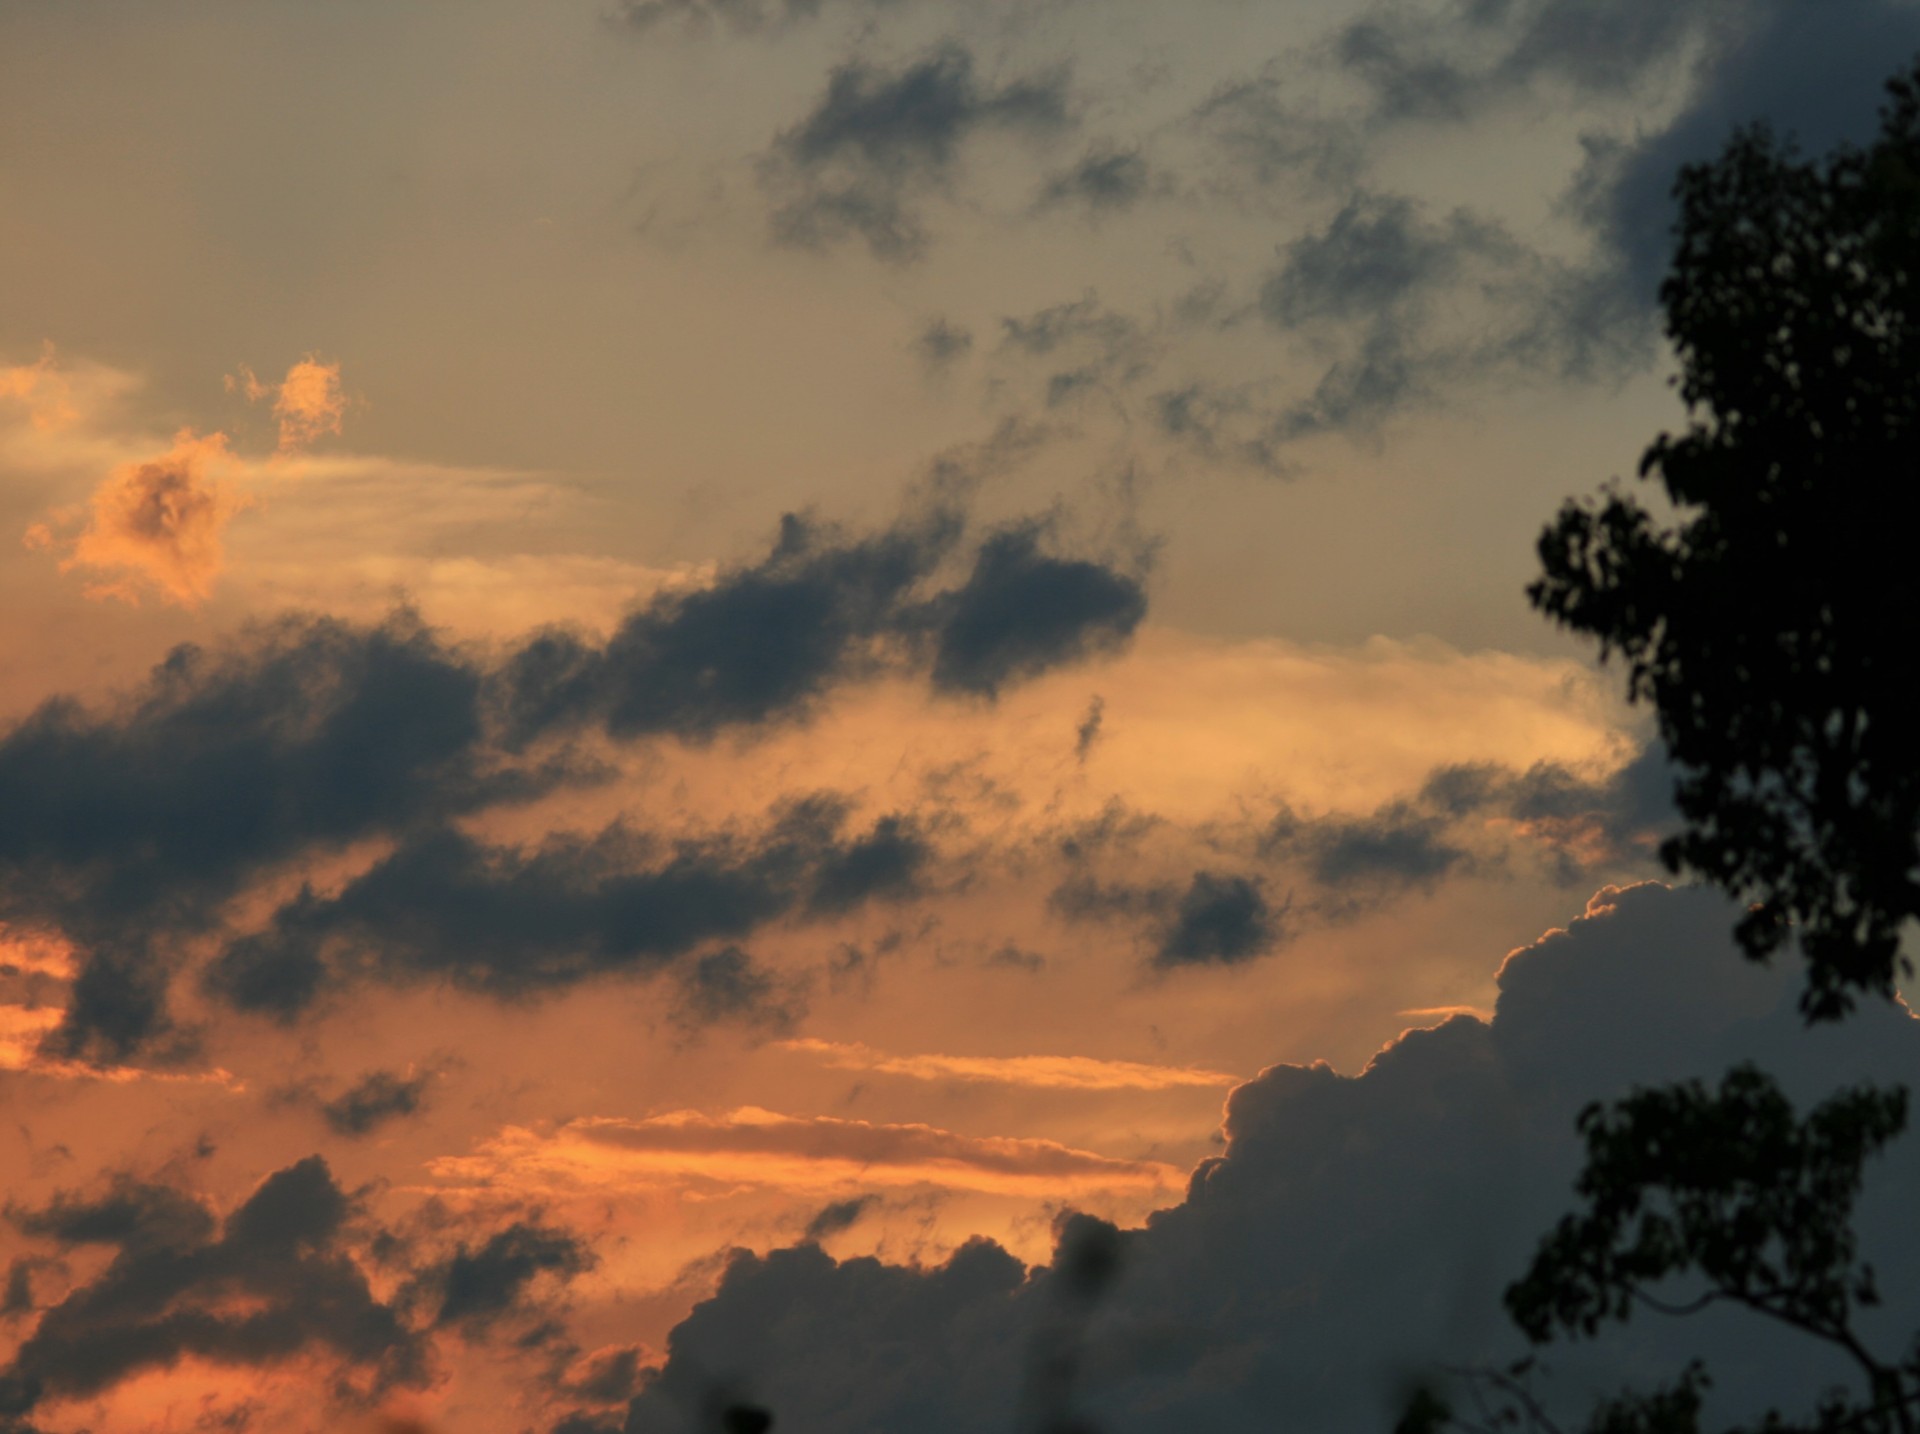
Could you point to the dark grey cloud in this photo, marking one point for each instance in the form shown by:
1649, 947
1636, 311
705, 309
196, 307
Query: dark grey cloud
1089, 730
840, 1215
1413, 304
1104, 180
513, 923
1216, 919
1221, 920
1355, 1235
1420, 66
729, 986
131, 824
479, 1285
942, 344
700, 17
274, 1281
1798, 66
767, 639
770, 638
137, 819
880, 140
1022, 612
376, 1099
1580, 825
1481, 820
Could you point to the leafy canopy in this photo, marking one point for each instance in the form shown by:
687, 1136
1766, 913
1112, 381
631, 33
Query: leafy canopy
1772, 617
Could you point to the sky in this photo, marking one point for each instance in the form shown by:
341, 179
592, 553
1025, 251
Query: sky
691, 688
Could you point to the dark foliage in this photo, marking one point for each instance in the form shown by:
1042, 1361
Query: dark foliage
1771, 619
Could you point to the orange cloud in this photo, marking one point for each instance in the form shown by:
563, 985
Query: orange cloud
1040, 1072
156, 525
309, 402
44, 389
751, 1146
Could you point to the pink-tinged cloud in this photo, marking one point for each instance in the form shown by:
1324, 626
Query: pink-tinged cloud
308, 402
751, 1146
156, 526
1038, 1072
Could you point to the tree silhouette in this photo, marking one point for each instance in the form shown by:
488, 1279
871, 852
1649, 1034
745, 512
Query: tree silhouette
1768, 613
1772, 619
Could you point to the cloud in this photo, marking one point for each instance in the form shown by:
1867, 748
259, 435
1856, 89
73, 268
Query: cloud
1022, 612
376, 1099
840, 1215
513, 923
799, 1153
1413, 304
132, 822
729, 986
767, 639
1355, 1234
1033, 1072
478, 1286
1786, 63
942, 344
1104, 180
153, 527
309, 404
699, 17
880, 140
274, 1281
1220, 920
43, 388
138, 818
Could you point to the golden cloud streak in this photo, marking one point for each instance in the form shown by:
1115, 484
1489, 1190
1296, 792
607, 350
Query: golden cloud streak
751, 1146
1037, 1072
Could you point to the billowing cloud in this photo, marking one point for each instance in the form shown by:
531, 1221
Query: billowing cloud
796, 1153
880, 140
1356, 1233
154, 527
1035, 1072
308, 403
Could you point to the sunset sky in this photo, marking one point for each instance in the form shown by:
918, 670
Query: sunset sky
674, 671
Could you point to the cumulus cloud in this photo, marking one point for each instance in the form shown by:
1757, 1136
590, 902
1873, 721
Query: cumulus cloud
155, 527
276, 1280
879, 141
1356, 1233
798, 1153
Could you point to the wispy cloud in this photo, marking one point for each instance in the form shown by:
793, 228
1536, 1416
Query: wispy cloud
752, 1146
1040, 1072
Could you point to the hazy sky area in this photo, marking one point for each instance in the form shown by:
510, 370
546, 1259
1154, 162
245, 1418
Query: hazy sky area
674, 672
